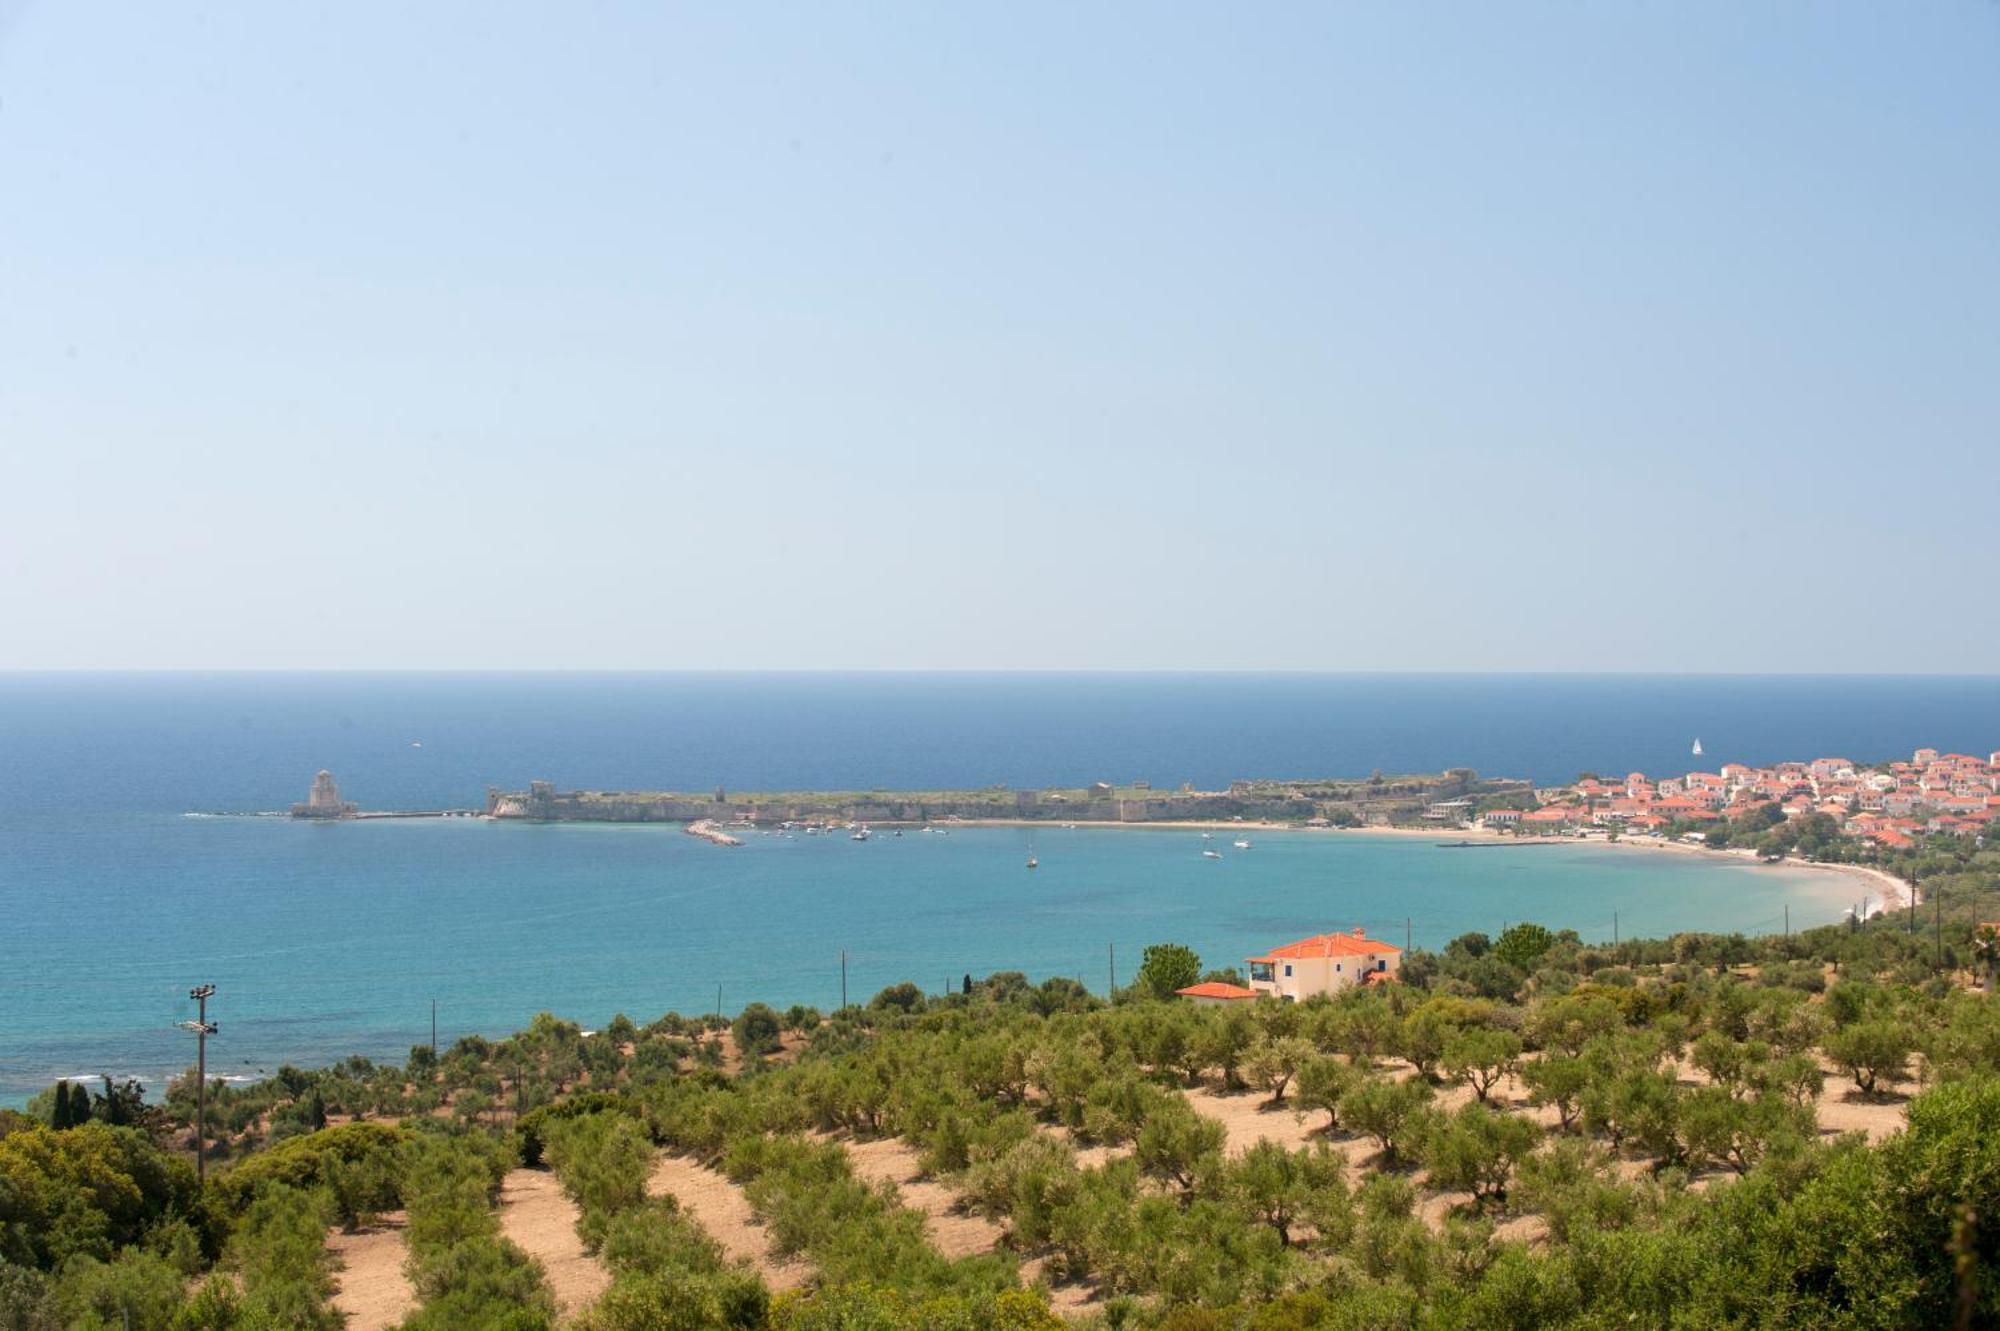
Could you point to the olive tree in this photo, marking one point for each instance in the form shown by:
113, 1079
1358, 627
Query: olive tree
1481, 1057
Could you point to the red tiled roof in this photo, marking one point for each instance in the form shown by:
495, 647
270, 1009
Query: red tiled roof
1328, 945
1216, 989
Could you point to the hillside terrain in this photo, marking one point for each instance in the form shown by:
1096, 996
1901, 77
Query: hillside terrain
1526, 1131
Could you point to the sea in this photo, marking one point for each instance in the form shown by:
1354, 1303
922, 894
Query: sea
129, 873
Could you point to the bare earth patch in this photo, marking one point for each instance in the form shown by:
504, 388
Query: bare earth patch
1246, 1119
1842, 1109
370, 1289
541, 1221
952, 1232
720, 1207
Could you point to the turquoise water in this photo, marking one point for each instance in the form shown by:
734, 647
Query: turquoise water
330, 940
325, 940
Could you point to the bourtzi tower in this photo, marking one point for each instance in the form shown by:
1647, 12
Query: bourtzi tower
324, 801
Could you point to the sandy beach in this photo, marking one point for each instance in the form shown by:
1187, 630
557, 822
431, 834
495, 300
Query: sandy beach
1884, 891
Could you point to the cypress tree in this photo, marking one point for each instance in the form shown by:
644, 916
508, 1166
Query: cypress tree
59, 1111
967, 988
79, 1105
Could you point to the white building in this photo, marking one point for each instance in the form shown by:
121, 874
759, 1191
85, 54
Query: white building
1325, 964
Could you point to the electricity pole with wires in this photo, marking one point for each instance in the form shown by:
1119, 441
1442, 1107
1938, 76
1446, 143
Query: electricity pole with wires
1937, 914
202, 1028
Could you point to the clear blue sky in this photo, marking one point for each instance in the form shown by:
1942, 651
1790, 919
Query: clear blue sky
1479, 336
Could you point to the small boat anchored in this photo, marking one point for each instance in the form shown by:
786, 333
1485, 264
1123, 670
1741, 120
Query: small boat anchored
860, 833
1211, 854
1243, 845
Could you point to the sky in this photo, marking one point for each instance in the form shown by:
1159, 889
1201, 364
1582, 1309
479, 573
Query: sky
1647, 336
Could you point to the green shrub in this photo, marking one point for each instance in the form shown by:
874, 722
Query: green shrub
86, 1192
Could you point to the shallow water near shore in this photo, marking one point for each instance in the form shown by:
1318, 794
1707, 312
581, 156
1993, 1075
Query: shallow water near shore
325, 940
329, 940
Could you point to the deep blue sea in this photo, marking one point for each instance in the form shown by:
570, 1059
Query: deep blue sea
325, 940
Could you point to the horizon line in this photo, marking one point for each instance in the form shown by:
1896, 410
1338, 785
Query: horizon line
981, 671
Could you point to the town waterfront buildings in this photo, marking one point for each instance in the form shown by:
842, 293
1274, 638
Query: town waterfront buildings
1890, 804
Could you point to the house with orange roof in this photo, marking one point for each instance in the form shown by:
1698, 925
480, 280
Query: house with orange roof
1323, 964
1551, 818
1215, 993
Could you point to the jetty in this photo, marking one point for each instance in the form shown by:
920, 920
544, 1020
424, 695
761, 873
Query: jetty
1504, 845
706, 829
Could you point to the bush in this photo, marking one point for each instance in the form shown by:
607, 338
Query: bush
360, 1157
1476, 1150
86, 1191
465, 1273
1480, 1058
1872, 1052
602, 1160
280, 1247
756, 1030
1385, 1110
1167, 967
531, 1132
134, 1289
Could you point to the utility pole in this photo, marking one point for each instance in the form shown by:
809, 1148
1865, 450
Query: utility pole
1913, 901
1113, 991
718, 1000
434, 1028
843, 979
1406, 935
1614, 928
202, 1028
1937, 915
1788, 921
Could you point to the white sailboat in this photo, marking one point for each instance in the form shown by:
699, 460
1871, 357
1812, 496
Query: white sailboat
1697, 746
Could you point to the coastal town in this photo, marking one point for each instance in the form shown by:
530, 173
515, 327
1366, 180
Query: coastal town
1890, 804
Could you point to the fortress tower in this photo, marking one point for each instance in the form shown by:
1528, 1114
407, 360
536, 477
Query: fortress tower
324, 801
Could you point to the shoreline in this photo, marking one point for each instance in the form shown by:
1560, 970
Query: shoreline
1892, 891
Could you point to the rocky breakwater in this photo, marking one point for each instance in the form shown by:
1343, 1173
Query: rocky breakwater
706, 829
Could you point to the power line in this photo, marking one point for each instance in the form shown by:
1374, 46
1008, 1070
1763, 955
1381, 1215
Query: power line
202, 1028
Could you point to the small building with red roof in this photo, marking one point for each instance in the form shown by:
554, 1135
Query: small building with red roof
1214, 993
1323, 964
